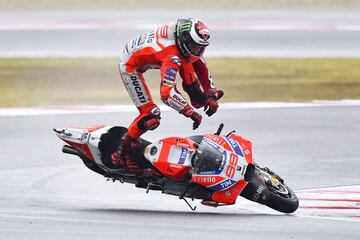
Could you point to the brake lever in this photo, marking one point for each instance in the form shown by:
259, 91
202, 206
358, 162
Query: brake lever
230, 133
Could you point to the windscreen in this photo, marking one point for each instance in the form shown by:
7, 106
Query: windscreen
208, 157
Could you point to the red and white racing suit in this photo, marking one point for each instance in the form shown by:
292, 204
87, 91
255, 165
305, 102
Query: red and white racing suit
157, 50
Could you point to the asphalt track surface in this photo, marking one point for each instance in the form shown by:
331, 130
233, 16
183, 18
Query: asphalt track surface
302, 33
45, 194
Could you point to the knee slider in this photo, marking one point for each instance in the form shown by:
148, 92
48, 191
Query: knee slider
150, 122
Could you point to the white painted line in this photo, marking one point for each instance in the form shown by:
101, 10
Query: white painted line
340, 203
315, 103
60, 110
336, 203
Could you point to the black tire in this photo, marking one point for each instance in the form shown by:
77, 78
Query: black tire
283, 203
258, 191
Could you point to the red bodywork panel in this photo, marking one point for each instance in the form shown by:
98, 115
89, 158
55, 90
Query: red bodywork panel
207, 181
82, 148
230, 195
246, 147
166, 165
223, 194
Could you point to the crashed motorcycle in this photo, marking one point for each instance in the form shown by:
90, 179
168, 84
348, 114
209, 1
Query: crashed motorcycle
214, 168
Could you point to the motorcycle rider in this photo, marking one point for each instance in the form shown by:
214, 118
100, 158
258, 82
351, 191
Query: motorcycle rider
173, 48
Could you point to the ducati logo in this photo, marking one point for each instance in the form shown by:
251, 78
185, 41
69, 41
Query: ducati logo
138, 89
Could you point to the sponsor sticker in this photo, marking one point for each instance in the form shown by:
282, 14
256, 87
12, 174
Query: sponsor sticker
175, 105
205, 179
186, 26
178, 98
171, 71
150, 37
169, 77
169, 83
137, 91
142, 39
223, 185
258, 192
184, 152
234, 144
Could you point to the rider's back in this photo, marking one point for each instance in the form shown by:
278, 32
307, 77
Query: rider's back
150, 50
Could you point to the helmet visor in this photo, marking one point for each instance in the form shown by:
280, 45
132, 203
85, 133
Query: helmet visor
196, 49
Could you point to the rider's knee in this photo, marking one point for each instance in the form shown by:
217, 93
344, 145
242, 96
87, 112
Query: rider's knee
150, 121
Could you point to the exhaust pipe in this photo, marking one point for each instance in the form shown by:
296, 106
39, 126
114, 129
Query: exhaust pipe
69, 150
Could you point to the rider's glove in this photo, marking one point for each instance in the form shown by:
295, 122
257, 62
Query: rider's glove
212, 97
190, 113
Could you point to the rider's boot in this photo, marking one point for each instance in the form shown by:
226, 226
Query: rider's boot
116, 160
122, 157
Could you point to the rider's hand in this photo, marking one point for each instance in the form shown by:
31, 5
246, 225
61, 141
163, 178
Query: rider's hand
212, 97
190, 113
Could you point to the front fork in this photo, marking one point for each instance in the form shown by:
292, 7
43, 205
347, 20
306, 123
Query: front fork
263, 181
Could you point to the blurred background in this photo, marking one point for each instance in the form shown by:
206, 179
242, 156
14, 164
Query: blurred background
65, 52
59, 56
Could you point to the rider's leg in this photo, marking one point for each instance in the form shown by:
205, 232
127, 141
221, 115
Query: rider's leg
149, 117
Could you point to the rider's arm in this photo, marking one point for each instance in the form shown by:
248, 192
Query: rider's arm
203, 74
211, 93
169, 94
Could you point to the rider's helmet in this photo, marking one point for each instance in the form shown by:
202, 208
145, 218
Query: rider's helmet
192, 37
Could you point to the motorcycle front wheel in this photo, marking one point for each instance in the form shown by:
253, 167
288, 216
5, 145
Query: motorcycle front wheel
282, 199
269, 189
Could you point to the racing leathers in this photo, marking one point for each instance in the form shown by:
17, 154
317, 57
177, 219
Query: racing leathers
157, 49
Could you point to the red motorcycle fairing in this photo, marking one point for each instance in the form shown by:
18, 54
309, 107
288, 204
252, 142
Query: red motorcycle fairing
235, 143
83, 148
227, 181
246, 147
213, 168
171, 156
230, 195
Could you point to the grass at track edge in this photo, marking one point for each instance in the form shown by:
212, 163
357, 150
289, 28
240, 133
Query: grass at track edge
77, 81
